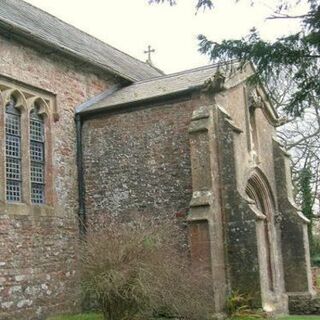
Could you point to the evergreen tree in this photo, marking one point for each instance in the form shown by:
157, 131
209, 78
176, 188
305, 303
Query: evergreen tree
307, 200
298, 54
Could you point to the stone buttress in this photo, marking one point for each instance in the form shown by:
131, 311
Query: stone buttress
236, 230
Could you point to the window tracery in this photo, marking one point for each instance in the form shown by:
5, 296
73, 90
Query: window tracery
25, 166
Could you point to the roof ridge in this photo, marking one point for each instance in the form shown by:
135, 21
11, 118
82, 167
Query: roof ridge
207, 66
169, 85
170, 75
82, 31
167, 76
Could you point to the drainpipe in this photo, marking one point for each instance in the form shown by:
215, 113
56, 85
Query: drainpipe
81, 187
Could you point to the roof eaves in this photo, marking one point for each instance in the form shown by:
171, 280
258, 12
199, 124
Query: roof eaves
123, 105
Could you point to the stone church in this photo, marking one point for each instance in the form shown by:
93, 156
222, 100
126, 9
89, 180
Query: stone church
87, 129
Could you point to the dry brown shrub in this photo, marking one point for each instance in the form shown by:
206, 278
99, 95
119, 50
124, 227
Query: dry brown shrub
137, 270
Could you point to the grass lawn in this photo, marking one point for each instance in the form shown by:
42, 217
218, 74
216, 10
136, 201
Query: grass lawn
92, 316
87, 316
300, 318
282, 318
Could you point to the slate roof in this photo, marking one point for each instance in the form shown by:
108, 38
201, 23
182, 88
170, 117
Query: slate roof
153, 88
24, 19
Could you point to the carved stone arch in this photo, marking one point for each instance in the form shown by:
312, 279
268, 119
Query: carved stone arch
261, 197
258, 189
44, 109
21, 102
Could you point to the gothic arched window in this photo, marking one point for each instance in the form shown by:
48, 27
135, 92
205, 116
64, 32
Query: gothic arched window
26, 177
37, 156
13, 151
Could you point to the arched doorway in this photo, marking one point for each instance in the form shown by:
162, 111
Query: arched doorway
260, 193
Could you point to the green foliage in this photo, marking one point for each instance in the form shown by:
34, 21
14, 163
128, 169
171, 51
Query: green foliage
315, 260
89, 316
280, 318
300, 318
305, 188
307, 201
134, 270
244, 317
315, 254
92, 316
239, 306
298, 54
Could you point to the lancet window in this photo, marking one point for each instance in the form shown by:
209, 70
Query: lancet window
13, 151
37, 156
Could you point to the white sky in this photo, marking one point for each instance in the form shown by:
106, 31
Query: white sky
131, 25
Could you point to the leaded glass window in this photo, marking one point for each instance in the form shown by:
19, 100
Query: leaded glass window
37, 149
13, 152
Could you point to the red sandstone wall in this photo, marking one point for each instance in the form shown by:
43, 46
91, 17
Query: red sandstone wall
38, 247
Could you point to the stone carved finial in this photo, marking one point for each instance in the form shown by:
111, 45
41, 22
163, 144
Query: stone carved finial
278, 217
215, 83
255, 100
253, 157
282, 121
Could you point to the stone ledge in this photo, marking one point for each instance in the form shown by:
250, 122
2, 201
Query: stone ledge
24, 209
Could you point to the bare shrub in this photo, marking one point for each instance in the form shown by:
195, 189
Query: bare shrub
136, 270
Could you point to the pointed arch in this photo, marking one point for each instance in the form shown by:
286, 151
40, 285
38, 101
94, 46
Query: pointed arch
21, 102
43, 108
259, 191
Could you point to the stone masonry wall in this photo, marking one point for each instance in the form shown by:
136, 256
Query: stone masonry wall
304, 305
139, 162
234, 103
38, 245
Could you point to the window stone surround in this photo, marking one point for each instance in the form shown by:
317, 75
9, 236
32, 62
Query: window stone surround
26, 97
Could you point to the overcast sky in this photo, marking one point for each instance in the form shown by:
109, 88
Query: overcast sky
131, 25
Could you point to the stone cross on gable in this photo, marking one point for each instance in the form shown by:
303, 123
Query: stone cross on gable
149, 51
